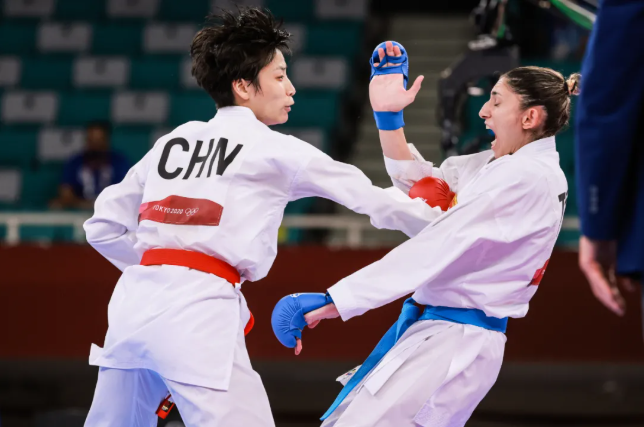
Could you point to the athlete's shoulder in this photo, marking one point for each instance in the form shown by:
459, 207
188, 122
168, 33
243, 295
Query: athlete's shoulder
188, 127
182, 131
293, 145
511, 175
468, 160
483, 156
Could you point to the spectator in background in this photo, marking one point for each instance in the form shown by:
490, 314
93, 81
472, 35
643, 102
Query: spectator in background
89, 172
610, 153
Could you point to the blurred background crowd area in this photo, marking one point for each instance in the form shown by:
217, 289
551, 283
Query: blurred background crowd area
86, 88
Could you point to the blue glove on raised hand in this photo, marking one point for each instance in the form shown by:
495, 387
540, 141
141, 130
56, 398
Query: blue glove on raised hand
288, 315
387, 90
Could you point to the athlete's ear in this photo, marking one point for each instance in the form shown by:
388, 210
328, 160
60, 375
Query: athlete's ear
533, 118
241, 88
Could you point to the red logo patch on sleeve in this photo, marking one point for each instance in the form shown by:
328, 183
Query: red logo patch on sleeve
538, 275
182, 211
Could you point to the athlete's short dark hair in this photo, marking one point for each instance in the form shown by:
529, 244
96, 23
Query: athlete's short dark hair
235, 46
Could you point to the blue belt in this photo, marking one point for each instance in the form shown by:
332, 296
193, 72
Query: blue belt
409, 315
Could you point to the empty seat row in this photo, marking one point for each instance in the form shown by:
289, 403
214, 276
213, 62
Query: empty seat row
77, 108
24, 147
149, 72
194, 10
29, 189
156, 38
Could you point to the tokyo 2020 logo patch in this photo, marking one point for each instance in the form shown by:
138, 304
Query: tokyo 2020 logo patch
182, 211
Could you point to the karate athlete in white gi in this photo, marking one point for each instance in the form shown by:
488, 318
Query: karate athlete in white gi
198, 215
469, 270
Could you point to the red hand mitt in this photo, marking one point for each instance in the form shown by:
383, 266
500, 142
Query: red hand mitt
434, 191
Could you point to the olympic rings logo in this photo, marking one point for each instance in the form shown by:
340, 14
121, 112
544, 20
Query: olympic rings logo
191, 212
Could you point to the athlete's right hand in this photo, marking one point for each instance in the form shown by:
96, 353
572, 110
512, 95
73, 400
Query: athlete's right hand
288, 316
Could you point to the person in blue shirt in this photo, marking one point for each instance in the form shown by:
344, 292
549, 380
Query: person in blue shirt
610, 153
88, 173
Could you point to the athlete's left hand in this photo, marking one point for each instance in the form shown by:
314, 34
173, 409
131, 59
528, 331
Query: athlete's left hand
314, 317
386, 92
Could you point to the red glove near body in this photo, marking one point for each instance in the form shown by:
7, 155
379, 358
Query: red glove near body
434, 191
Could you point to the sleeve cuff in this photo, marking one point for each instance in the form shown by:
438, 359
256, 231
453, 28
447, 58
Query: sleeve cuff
344, 301
405, 173
415, 153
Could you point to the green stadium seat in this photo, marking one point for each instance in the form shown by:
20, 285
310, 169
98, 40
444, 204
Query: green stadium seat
10, 71
336, 38
18, 147
101, 72
65, 38
168, 38
117, 39
176, 10
57, 145
188, 106
571, 204
40, 186
134, 143
568, 238
22, 107
474, 105
129, 10
79, 108
155, 73
314, 109
566, 149
297, 39
292, 10
137, 108
11, 182
186, 79
75, 10
46, 73
27, 9
320, 72
345, 9
17, 38
46, 233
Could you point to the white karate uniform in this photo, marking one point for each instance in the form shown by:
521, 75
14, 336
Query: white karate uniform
219, 188
486, 253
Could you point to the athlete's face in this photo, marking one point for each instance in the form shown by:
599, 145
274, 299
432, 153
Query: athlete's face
513, 126
272, 101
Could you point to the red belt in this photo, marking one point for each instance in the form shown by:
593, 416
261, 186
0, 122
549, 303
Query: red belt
196, 261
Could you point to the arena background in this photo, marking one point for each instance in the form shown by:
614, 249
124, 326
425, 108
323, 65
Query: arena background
65, 63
